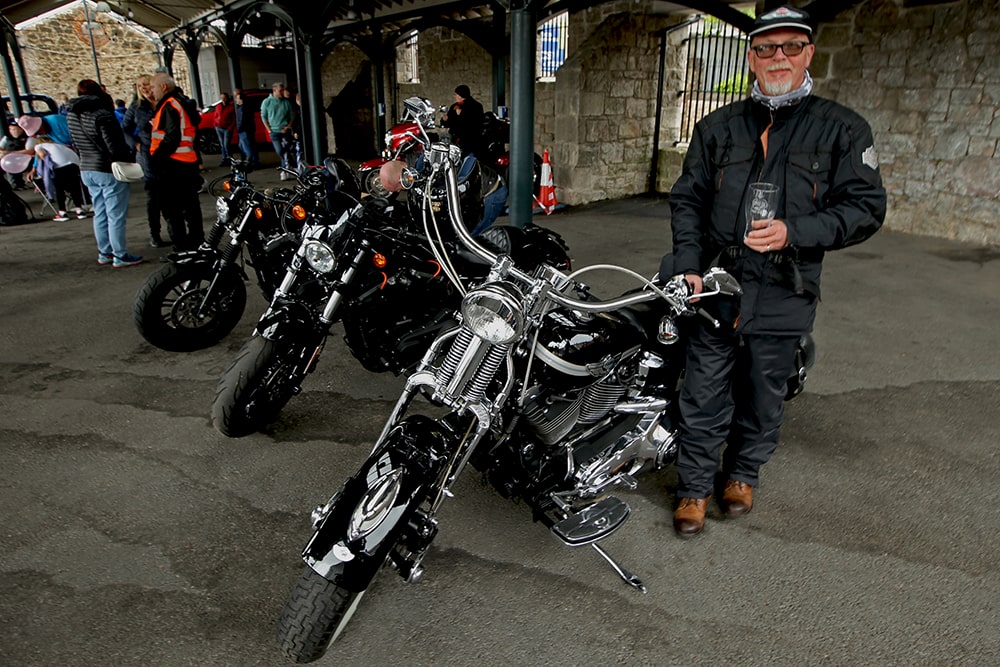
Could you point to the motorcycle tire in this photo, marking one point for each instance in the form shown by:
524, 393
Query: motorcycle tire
255, 387
316, 613
166, 307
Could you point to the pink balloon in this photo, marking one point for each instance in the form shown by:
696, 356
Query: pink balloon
15, 163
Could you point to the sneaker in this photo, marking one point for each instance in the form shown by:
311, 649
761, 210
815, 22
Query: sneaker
61, 217
80, 214
157, 242
127, 260
104, 260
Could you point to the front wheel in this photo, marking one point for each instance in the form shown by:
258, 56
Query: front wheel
316, 612
257, 385
171, 311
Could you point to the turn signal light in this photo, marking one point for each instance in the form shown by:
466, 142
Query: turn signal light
379, 260
299, 212
227, 186
258, 213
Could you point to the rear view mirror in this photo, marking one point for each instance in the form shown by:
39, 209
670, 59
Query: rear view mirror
718, 280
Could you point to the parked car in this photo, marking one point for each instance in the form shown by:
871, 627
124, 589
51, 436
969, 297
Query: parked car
32, 104
208, 140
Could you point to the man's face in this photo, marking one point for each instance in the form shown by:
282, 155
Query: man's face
780, 73
159, 90
278, 90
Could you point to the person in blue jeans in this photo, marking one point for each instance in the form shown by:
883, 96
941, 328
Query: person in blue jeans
100, 141
246, 129
278, 116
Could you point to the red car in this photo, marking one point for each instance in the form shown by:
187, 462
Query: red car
208, 139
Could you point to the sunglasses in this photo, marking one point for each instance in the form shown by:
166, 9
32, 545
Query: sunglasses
788, 48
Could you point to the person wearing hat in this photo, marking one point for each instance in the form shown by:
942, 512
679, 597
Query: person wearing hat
54, 126
464, 121
822, 158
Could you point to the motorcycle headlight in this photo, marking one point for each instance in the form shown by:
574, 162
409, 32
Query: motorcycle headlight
320, 257
493, 313
222, 209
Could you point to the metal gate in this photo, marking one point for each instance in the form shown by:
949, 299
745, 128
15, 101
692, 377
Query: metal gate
717, 71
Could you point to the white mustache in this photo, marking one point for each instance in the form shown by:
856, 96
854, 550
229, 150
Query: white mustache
779, 68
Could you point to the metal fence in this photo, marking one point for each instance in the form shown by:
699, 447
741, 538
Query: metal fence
552, 37
717, 71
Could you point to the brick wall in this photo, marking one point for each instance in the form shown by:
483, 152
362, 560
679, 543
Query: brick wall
57, 55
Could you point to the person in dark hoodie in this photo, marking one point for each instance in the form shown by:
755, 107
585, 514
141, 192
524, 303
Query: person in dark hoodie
99, 141
173, 160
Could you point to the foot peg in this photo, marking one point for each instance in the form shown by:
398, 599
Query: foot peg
592, 523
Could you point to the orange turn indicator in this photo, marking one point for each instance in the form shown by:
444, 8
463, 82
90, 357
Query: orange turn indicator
299, 212
258, 213
379, 260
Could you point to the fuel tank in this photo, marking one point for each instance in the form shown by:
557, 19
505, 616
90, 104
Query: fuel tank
577, 349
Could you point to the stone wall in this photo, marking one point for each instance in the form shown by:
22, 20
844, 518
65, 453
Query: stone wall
599, 116
927, 78
57, 55
446, 59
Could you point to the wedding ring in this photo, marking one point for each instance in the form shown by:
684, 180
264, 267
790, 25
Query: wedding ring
769, 247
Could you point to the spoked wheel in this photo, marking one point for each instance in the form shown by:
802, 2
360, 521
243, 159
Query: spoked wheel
316, 613
373, 184
256, 386
171, 313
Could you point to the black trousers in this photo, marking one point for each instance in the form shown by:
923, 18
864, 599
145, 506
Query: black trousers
734, 390
175, 189
67, 182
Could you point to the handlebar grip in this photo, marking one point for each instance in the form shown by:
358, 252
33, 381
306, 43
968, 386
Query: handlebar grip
704, 313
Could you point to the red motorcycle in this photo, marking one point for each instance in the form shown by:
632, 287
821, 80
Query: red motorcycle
405, 141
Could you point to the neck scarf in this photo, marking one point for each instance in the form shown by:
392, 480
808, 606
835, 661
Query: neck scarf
788, 99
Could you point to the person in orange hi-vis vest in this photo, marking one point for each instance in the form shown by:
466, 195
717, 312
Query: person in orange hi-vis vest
173, 160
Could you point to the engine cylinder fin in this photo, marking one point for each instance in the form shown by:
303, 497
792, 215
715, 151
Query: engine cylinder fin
599, 399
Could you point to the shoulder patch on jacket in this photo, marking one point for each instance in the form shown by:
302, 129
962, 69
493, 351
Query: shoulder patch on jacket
870, 157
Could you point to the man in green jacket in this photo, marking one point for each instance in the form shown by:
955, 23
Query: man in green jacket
278, 116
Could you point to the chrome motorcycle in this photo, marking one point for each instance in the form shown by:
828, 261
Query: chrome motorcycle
556, 396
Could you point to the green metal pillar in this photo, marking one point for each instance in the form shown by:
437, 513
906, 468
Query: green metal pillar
522, 113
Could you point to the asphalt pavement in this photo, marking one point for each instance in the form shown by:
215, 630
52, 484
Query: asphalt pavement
133, 533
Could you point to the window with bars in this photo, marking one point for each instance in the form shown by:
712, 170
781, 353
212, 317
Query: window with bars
717, 71
407, 60
552, 38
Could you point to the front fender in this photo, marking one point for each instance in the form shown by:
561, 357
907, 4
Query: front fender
190, 257
375, 163
363, 521
286, 319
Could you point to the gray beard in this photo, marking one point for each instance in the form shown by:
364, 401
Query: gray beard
783, 99
779, 88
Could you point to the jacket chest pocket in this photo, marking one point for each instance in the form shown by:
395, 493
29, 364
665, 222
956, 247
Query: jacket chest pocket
809, 176
733, 165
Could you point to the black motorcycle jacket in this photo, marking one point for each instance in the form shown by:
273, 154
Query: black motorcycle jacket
823, 158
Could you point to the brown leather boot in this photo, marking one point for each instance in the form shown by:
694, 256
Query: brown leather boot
689, 518
737, 497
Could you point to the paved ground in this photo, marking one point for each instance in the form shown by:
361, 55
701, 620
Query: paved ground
134, 534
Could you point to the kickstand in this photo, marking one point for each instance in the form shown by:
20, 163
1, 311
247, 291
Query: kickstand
627, 576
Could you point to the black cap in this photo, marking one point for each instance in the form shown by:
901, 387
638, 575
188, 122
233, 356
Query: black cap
782, 17
463, 91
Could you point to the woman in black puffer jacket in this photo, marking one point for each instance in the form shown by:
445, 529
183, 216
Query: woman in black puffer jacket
100, 141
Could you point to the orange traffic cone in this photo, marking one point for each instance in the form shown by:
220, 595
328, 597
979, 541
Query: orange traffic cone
546, 198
